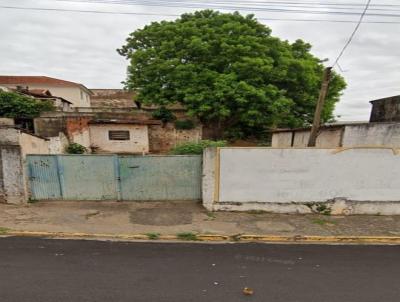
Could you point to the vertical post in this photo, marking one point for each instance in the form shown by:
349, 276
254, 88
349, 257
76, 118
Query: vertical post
117, 174
60, 174
320, 105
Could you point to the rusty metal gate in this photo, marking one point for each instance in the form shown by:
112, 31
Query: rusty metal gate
115, 177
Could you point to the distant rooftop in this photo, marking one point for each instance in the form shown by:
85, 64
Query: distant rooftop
37, 80
390, 98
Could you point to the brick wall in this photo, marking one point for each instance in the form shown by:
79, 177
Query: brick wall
164, 138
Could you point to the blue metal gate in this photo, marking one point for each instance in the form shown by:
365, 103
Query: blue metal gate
114, 177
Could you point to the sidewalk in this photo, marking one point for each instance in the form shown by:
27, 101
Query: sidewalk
172, 218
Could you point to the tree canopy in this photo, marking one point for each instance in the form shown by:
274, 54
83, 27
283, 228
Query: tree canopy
15, 105
228, 71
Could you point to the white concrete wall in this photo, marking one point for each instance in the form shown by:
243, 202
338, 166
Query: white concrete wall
373, 134
12, 185
57, 144
327, 138
281, 139
138, 143
4, 121
32, 144
308, 175
82, 137
351, 181
9, 136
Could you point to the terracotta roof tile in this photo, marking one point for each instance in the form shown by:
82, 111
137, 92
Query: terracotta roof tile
26, 80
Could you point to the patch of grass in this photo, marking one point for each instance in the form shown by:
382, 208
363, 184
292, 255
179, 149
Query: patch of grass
322, 221
196, 147
189, 236
211, 215
3, 231
153, 236
32, 200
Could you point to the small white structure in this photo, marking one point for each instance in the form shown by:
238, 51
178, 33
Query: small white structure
341, 135
120, 136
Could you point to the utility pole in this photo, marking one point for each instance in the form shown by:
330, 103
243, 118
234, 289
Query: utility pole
320, 105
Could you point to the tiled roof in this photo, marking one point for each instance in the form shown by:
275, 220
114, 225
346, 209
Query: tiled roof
37, 80
40, 92
125, 121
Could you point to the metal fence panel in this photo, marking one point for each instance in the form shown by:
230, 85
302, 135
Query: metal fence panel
160, 177
43, 177
88, 177
112, 177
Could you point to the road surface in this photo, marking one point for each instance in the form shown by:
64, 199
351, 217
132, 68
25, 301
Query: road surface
39, 270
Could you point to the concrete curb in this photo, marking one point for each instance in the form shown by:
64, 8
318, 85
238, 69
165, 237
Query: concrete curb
393, 240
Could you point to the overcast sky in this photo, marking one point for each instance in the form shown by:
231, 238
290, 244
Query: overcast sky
80, 47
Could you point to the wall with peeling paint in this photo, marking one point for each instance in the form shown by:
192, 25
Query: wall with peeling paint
292, 180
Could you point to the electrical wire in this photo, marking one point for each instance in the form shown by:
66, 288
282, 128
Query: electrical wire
352, 34
246, 3
177, 15
188, 4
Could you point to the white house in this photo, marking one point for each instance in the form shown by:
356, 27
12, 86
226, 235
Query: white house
76, 93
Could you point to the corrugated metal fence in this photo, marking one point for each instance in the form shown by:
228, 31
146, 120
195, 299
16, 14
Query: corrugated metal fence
115, 177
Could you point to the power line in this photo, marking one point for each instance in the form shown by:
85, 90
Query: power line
86, 11
271, 10
352, 34
187, 4
177, 15
269, 3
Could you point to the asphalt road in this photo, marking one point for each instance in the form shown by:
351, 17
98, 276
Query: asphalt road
74, 270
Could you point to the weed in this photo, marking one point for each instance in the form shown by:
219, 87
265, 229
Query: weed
3, 231
153, 236
323, 209
32, 200
196, 147
189, 236
320, 208
75, 148
211, 215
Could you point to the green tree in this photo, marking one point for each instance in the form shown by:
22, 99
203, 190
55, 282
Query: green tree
227, 71
17, 105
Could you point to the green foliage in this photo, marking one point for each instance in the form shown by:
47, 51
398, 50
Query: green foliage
184, 124
14, 105
163, 114
187, 236
3, 231
153, 236
75, 148
227, 71
196, 147
320, 208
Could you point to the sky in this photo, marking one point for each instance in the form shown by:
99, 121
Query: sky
81, 47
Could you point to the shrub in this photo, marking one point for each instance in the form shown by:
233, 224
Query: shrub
189, 236
163, 114
196, 147
75, 148
184, 124
15, 105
